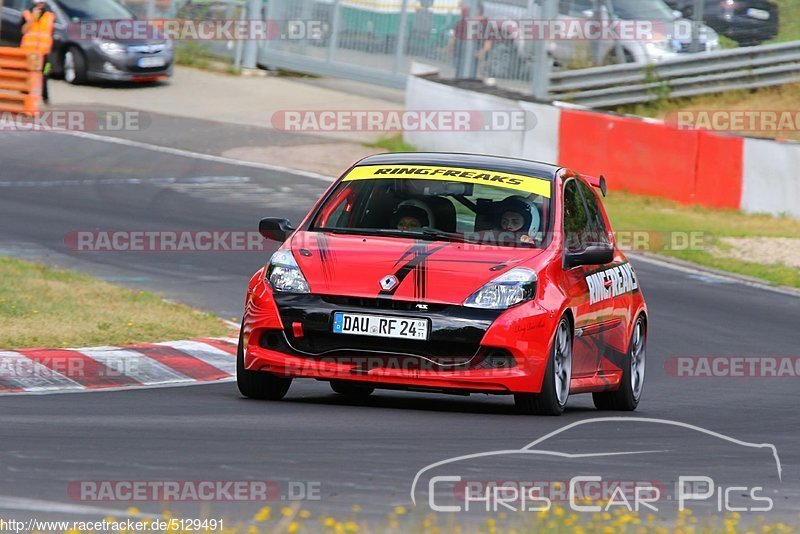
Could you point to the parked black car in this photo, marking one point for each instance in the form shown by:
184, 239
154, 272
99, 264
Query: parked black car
83, 60
748, 22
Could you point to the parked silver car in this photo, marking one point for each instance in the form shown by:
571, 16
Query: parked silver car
671, 36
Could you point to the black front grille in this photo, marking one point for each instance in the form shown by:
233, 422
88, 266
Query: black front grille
366, 360
455, 331
383, 304
324, 343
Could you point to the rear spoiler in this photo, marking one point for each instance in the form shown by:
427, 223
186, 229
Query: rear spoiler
599, 183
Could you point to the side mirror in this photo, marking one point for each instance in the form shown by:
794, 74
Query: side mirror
594, 254
275, 229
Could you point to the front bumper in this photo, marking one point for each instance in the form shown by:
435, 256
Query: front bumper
124, 68
468, 350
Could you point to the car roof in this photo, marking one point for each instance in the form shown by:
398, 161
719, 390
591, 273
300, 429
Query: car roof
468, 161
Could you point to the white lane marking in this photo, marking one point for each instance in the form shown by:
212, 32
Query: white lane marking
135, 365
196, 155
19, 371
36, 505
701, 271
220, 359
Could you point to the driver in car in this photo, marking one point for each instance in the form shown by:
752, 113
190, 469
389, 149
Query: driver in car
515, 216
409, 218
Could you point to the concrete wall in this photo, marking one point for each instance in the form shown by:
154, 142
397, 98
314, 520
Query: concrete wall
638, 155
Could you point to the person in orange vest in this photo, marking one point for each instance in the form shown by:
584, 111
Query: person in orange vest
37, 36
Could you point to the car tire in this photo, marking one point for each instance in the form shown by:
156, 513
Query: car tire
627, 397
349, 389
74, 66
553, 397
259, 385
612, 59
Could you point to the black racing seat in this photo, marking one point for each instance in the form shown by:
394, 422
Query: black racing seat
444, 213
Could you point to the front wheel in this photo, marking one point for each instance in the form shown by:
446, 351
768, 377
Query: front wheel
626, 398
74, 66
258, 384
552, 399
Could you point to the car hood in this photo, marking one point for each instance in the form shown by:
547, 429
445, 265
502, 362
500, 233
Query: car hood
426, 271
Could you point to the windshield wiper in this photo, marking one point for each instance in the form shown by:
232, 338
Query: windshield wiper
448, 236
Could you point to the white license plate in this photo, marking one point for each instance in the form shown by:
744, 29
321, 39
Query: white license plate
759, 14
151, 62
380, 326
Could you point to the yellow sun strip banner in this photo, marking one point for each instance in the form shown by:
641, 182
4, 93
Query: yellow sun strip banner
518, 182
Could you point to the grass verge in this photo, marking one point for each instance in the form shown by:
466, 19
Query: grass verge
790, 21
670, 222
784, 97
46, 307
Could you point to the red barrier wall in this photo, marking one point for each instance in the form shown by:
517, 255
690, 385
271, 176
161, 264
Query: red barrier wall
720, 172
650, 158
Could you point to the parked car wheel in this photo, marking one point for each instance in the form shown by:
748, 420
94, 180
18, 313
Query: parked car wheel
74, 66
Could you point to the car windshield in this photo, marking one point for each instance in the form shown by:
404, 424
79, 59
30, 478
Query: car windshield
643, 9
94, 10
439, 203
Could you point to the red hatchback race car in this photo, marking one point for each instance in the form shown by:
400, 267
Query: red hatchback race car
449, 273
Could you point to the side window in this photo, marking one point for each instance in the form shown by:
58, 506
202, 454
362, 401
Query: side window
563, 7
597, 224
576, 220
579, 6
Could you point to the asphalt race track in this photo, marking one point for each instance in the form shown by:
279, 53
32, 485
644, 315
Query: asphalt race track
368, 453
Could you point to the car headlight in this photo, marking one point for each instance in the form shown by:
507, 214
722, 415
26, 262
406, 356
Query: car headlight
283, 273
509, 289
659, 47
112, 49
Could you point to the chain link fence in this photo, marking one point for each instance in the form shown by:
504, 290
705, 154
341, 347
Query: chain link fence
379, 41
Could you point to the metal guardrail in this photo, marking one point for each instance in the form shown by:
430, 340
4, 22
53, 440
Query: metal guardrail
707, 73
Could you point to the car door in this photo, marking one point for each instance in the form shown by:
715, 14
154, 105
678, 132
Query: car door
11, 26
619, 275
593, 312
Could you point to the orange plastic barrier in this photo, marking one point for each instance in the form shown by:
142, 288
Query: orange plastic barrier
650, 158
20, 81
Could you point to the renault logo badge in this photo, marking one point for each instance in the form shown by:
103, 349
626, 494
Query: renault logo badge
388, 282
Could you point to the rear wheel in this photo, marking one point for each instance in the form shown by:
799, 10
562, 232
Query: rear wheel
258, 384
626, 398
552, 399
349, 389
